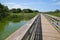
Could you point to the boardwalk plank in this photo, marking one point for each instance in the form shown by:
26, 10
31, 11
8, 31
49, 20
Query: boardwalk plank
48, 31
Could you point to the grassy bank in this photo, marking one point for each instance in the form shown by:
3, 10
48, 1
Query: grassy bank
55, 14
24, 15
16, 17
14, 21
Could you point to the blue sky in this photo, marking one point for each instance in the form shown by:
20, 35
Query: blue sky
41, 5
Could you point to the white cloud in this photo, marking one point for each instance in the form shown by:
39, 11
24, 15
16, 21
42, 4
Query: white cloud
34, 3
16, 6
19, 6
12, 5
22, 5
27, 3
9, 3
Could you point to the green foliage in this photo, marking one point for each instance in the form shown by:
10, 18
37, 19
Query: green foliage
18, 10
27, 11
3, 11
36, 11
55, 13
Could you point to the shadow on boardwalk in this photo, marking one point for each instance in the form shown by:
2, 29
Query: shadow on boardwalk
38, 35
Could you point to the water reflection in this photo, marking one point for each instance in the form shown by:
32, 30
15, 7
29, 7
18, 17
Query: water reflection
10, 24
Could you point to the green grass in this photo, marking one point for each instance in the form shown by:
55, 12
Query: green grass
55, 14
24, 15
16, 17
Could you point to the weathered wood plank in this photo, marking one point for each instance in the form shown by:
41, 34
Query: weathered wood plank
48, 31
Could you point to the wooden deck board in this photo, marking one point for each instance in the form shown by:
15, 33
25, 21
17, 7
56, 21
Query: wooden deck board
48, 31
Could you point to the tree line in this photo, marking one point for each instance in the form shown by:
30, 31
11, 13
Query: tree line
56, 11
4, 11
14, 10
18, 10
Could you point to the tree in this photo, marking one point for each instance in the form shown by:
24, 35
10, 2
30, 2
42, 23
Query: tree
18, 10
35, 11
13, 10
27, 11
57, 11
3, 10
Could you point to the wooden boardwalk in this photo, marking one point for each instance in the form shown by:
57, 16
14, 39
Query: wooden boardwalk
38, 33
44, 30
48, 31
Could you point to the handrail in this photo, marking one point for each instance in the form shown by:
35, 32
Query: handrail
54, 21
55, 17
24, 31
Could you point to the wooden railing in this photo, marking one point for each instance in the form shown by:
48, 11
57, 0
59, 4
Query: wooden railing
26, 32
55, 21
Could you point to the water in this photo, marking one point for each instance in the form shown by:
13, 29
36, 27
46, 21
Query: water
11, 23
8, 27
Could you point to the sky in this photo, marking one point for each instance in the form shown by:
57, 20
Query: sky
41, 5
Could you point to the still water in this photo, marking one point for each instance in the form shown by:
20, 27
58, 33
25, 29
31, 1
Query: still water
11, 23
8, 27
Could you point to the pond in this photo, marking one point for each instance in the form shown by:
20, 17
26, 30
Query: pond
10, 24
8, 28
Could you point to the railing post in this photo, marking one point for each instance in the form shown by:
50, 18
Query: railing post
55, 22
